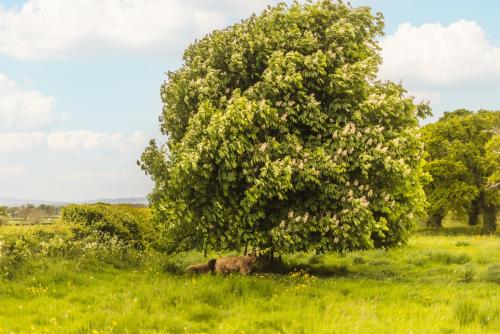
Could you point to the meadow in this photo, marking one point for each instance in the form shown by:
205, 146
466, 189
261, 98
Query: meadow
435, 284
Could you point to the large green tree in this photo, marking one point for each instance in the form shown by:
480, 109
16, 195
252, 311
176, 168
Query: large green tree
462, 155
279, 136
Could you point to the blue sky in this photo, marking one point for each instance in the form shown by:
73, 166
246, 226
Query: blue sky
79, 80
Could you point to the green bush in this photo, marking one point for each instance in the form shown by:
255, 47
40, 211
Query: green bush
28, 248
145, 219
97, 248
106, 219
19, 245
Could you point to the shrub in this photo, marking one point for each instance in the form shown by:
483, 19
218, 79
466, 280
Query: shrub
145, 220
105, 219
19, 245
98, 247
12, 255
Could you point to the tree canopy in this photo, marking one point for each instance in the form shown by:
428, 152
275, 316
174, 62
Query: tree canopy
279, 136
463, 161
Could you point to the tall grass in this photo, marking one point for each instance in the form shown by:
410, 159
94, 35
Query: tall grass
432, 285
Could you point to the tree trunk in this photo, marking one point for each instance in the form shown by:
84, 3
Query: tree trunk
489, 219
436, 220
474, 213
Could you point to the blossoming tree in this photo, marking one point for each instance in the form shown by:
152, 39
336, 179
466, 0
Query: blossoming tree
279, 136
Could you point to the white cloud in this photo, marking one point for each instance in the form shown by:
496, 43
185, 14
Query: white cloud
72, 141
22, 109
72, 165
66, 28
108, 181
437, 54
94, 175
21, 141
424, 96
134, 143
80, 140
10, 170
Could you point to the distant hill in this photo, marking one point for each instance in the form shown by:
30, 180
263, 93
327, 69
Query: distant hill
133, 200
7, 201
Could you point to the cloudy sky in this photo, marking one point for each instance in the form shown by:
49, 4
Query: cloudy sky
79, 79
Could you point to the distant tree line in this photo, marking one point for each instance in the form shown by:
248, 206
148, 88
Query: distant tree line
29, 213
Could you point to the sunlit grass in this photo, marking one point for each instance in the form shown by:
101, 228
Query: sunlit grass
435, 284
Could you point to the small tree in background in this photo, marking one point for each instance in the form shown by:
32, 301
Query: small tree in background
280, 137
462, 154
3, 214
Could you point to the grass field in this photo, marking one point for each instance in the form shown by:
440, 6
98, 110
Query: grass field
22, 222
436, 284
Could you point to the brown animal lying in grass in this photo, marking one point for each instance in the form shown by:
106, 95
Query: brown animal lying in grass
235, 264
202, 268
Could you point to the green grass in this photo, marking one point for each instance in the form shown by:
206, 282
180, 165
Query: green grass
435, 284
22, 222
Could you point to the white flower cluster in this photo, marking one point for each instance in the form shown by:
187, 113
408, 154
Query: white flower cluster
349, 128
364, 202
296, 218
381, 148
54, 245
